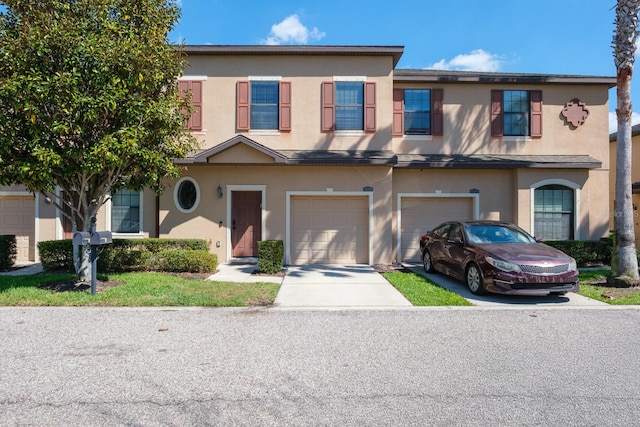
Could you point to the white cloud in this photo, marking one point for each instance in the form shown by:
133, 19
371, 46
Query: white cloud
613, 121
476, 60
291, 30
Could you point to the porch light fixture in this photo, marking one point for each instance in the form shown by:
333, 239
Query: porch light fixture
219, 192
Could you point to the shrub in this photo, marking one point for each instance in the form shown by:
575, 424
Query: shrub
181, 260
270, 256
585, 252
56, 255
131, 255
8, 251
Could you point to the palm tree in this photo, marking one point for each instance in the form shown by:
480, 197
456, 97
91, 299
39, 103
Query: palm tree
625, 261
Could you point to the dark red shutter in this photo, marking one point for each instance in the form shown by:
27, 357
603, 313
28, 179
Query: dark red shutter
497, 128
398, 112
437, 113
328, 107
285, 106
196, 101
242, 106
536, 113
183, 89
193, 121
369, 107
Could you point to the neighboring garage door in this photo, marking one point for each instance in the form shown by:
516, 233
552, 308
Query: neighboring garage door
17, 216
329, 230
419, 215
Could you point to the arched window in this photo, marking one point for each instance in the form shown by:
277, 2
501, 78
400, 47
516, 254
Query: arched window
554, 212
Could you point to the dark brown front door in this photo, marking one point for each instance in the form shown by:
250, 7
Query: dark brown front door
246, 220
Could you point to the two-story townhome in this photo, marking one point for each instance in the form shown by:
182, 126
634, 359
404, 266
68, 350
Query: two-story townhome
348, 159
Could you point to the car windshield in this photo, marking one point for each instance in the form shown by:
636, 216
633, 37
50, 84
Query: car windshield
490, 233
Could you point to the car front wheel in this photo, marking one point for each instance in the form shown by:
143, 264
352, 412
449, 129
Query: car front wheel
426, 262
474, 280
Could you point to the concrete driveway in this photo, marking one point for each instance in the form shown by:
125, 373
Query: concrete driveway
355, 285
570, 299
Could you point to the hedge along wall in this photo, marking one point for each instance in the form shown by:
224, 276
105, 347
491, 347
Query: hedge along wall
186, 255
8, 251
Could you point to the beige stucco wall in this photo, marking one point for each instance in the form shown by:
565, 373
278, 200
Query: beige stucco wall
306, 74
467, 124
210, 219
635, 177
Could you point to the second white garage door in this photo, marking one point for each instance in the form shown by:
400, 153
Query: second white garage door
419, 215
329, 230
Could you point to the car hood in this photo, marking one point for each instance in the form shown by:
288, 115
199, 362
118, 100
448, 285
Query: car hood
526, 253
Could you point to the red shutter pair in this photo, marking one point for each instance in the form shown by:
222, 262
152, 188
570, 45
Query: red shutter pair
497, 123
437, 113
243, 106
195, 87
328, 94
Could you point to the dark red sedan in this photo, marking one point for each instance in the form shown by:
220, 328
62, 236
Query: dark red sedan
498, 257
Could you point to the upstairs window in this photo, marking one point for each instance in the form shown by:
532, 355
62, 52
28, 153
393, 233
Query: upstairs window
125, 212
263, 105
418, 112
194, 89
516, 113
348, 106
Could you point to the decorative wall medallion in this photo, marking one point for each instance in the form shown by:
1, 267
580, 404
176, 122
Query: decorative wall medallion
575, 112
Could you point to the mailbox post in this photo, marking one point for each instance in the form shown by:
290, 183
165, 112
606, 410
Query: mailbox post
96, 240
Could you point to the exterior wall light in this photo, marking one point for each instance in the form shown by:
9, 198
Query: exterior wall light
219, 192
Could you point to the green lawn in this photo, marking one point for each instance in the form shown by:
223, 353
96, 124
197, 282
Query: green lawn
421, 291
591, 282
158, 289
136, 289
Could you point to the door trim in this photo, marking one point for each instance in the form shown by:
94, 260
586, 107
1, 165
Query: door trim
328, 192
229, 189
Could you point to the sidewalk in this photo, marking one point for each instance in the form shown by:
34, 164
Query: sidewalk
23, 269
356, 285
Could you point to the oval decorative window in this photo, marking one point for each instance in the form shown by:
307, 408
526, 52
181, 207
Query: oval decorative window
186, 195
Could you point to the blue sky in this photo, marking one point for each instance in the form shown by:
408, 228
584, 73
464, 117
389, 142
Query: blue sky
534, 36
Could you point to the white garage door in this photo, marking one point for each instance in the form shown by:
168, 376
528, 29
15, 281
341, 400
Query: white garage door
329, 230
419, 215
17, 216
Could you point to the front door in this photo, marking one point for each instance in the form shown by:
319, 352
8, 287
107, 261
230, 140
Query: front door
246, 223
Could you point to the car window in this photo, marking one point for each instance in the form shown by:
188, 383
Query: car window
479, 234
442, 230
455, 232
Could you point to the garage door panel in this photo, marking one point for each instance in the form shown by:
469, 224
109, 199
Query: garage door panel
17, 217
329, 229
422, 214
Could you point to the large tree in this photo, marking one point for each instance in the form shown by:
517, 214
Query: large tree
625, 261
89, 102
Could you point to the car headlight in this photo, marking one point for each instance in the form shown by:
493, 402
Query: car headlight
573, 266
503, 265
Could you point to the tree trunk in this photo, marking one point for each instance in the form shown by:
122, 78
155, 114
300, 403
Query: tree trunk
625, 261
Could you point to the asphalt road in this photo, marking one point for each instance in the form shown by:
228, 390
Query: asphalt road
442, 367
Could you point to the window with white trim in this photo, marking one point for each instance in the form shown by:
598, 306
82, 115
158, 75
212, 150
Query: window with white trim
125, 212
554, 212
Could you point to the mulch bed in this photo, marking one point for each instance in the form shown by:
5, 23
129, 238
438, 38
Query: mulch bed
75, 286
